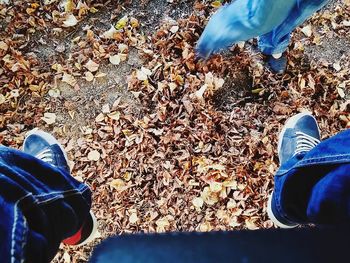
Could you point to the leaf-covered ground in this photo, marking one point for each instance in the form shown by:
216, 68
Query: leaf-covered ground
167, 143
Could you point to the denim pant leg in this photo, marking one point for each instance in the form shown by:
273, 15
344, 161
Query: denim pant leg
315, 187
242, 20
278, 39
40, 206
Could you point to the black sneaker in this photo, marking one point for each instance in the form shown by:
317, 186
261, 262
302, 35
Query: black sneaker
45, 147
299, 135
277, 65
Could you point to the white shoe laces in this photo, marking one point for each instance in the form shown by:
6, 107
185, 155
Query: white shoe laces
305, 143
46, 156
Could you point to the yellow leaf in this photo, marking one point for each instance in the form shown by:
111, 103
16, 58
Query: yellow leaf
134, 22
216, 4
257, 91
127, 176
121, 23
118, 184
93, 10
57, 67
69, 5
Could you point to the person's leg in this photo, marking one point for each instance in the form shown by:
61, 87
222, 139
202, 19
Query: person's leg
313, 182
242, 20
41, 204
276, 42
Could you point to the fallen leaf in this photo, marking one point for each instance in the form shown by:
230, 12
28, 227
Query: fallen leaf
307, 30
133, 218
122, 47
91, 65
69, 79
114, 115
49, 118
118, 184
89, 76
121, 23
143, 73
198, 202
216, 4
2, 99
199, 93
68, 5
337, 66
110, 33
106, 108
70, 21
174, 29
134, 22
54, 93
115, 59
341, 92
94, 155
162, 224
3, 45
100, 117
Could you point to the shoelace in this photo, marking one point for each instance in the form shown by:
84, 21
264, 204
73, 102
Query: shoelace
305, 142
46, 156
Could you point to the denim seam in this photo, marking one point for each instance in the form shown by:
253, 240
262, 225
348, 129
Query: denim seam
13, 243
338, 157
82, 189
14, 227
59, 196
335, 159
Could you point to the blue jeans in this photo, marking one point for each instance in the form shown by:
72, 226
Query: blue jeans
39, 207
270, 20
315, 187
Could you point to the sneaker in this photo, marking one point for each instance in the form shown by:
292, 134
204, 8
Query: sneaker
45, 147
87, 233
277, 65
299, 135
